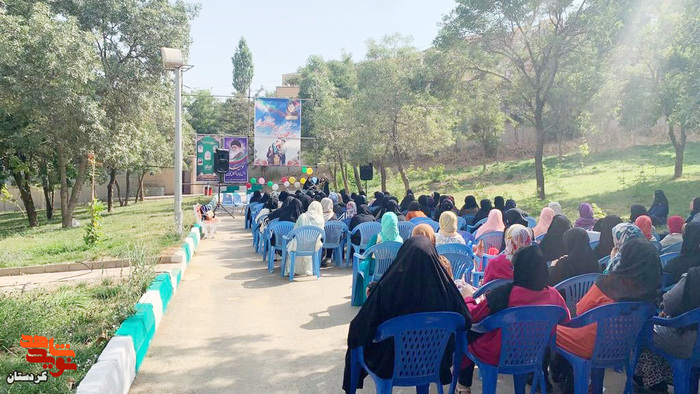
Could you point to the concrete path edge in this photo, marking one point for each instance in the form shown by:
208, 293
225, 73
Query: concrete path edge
118, 364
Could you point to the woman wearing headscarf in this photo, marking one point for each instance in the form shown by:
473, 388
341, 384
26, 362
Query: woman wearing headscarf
447, 205
578, 260
510, 204
501, 266
414, 283
499, 203
363, 215
483, 212
511, 217
393, 207
636, 278
360, 200
256, 197
350, 211
407, 201
694, 211
327, 207
653, 371
292, 211
546, 216
605, 227
303, 265
675, 232
448, 230
636, 211
378, 200
268, 208
529, 287
424, 202
414, 211
586, 220
644, 223
556, 207
382, 207
336, 204
389, 233
622, 233
470, 206
553, 242
493, 223
690, 252
426, 230
306, 200
658, 212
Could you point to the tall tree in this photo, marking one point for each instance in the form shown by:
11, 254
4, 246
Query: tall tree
528, 43
242, 68
204, 112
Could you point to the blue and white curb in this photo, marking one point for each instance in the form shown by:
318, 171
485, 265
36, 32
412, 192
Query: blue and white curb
119, 362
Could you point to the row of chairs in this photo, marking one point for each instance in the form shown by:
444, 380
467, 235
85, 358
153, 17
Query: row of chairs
420, 340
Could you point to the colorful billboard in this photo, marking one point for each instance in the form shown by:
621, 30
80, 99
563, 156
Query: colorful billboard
277, 132
237, 159
206, 145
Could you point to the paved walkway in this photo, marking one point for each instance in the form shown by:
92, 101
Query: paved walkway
233, 328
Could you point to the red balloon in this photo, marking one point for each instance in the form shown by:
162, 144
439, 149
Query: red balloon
284, 179
248, 185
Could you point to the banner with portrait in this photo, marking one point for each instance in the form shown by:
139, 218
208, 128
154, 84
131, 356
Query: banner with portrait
277, 132
237, 159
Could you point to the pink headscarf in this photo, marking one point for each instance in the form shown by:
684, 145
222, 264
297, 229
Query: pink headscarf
644, 224
493, 223
546, 217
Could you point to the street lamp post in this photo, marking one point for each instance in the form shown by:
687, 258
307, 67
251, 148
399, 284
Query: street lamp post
173, 60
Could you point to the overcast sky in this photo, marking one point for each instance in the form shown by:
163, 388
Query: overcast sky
283, 34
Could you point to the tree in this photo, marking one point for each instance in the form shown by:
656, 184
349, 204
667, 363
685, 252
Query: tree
242, 68
204, 112
528, 43
48, 68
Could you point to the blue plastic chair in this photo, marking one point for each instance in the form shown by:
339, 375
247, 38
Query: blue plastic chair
526, 331
462, 265
468, 218
265, 241
594, 244
254, 211
383, 254
491, 240
540, 238
257, 239
336, 235
476, 225
478, 274
306, 237
420, 340
666, 257
575, 288
531, 222
367, 230
617, 335
684, 380
461, 223
490, 286
278, 230
672, 248
455, 248
405, 229
435, 225
420, 220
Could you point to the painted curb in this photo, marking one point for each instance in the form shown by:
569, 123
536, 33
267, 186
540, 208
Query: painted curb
119, 362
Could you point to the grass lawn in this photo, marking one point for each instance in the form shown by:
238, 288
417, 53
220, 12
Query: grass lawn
147, 224
613, 180
85, 316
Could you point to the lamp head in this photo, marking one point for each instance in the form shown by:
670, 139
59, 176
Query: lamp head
172, 58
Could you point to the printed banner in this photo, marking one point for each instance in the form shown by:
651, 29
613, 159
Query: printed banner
237, 159
277, 132
206, 145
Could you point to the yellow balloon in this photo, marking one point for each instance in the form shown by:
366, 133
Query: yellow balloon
302, 181
309, 170
292, 179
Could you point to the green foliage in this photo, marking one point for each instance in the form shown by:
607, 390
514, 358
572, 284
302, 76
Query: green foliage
437, 173
204, 112
242, 68
93, 231
598, 212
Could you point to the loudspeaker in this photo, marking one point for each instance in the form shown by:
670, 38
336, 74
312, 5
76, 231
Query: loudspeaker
366, 172
221, 161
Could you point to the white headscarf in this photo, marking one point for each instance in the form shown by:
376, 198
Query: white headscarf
312, 217
327, 206
556, 207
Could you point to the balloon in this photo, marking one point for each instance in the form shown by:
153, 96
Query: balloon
309, 170
284, 179
302, 180
286, 183
253, 181
269, 183
303, 170
314, 179
297, 184
248, 185
292, 179
275, 186
261, 180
